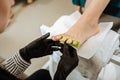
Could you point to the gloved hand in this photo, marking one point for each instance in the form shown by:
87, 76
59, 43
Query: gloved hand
38, 48
69, 60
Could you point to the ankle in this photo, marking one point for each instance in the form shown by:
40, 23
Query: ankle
89, 19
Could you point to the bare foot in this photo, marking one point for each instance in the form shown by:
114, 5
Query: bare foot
78, 33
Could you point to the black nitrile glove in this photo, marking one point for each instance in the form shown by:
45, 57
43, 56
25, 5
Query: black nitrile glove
69, 60
38, 48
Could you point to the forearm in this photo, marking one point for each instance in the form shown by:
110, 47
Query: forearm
15, 65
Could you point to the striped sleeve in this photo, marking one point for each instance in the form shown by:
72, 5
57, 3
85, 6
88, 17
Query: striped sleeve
15, 65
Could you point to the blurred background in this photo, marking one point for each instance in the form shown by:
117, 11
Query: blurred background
24, 26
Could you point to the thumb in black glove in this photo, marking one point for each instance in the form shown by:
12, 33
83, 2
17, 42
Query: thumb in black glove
38, 48
69, 60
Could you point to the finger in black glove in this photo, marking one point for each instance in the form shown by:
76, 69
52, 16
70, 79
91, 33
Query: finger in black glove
39, 47
69, 60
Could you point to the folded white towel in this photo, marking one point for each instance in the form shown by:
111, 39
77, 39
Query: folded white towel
93, 44
99, 47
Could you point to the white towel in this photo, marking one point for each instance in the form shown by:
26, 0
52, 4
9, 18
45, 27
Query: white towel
93, 44
99, 47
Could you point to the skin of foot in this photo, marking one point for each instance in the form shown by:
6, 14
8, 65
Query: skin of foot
87, 25
78, 33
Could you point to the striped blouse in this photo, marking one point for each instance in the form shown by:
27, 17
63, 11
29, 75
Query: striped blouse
15, 65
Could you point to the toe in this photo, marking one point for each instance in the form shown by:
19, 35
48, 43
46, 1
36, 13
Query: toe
63, 39
69, 41
75, 42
